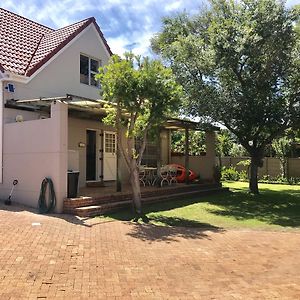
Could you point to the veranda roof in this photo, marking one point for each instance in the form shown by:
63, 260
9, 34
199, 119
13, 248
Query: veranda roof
97, 107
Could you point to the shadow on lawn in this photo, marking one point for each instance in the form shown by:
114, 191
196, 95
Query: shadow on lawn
172, 227
273, 207
176, 228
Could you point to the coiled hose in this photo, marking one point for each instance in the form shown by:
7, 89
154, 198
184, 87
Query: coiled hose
45, 207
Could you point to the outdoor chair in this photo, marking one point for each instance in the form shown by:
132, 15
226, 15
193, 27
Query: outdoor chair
164, 175
142, 176
172, 178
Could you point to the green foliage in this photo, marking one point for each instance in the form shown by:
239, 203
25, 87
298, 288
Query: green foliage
144, 90
244, 163
227, 144
244, 175
280, 180
224, 143
239, 64
196, 142
282, 147
230, 174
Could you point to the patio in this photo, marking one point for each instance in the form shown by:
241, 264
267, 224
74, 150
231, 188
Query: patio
63, 257
92, 201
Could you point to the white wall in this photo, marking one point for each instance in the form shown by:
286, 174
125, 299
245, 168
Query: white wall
201, 165
10, 114
32, 151
61, 76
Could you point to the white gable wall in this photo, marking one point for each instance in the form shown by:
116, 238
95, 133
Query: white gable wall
61, 75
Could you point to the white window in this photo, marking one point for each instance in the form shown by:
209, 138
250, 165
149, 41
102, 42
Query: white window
110, 143
88, 69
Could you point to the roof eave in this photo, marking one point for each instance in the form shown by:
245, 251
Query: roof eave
91, 20
31, 71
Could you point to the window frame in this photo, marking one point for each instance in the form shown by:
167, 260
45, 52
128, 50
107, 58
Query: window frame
90, 72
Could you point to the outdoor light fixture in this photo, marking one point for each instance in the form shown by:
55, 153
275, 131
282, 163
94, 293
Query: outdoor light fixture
19, 118
81, 145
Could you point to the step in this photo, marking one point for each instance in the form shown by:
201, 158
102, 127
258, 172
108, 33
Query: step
98, 200
94, 210
95, 183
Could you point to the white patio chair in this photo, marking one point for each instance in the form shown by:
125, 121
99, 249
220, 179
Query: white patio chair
172, 175
164, 175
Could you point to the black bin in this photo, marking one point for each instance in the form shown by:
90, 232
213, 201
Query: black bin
73, 177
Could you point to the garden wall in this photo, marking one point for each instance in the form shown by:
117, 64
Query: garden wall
271, 166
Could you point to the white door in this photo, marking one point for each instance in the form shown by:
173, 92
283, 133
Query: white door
110, 156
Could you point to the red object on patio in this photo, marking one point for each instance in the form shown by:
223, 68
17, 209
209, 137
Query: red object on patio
181, 171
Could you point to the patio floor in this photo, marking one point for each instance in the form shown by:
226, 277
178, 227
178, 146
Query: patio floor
109, 188
93, 201
64, 257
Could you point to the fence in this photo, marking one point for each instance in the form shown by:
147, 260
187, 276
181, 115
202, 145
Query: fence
270, 167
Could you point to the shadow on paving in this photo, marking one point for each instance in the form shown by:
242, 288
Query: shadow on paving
18, 208
176, 228
273, 207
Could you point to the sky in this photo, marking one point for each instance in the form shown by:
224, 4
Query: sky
127, 25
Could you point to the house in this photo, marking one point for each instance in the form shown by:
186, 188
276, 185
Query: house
51, 113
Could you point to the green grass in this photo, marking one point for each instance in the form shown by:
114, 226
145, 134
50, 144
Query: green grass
277, 207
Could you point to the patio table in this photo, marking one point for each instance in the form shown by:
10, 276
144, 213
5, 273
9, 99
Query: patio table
151, 175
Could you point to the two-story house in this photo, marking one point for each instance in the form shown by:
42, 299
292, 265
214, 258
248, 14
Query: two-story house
49, 109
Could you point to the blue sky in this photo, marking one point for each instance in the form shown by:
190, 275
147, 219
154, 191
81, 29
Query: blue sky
126, 24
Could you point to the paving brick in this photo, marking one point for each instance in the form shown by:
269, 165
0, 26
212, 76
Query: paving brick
71, 258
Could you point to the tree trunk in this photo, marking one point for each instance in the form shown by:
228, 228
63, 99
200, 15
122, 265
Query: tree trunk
136, 188
283, 166
253, 183
220, 161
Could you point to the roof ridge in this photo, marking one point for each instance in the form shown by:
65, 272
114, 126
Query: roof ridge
33, 54
11, 12
83, 20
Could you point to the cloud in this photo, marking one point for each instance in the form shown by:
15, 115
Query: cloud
126, 24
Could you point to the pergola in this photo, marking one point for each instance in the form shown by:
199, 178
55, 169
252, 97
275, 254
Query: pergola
93, 109
187, 125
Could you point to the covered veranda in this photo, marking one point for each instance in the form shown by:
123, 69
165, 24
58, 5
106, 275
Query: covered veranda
84, 113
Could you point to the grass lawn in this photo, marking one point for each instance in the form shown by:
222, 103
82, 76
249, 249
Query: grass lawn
277, 207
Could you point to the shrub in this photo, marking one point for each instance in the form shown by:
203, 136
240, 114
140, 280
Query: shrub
280, 180
230, 174
244, 175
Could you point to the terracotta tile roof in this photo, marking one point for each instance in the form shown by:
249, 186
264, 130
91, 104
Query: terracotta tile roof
26, 45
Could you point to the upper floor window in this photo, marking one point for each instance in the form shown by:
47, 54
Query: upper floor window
88, 69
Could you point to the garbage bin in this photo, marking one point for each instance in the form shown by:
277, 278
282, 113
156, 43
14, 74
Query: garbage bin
73, 177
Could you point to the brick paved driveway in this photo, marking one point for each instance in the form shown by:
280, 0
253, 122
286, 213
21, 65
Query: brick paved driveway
70, 259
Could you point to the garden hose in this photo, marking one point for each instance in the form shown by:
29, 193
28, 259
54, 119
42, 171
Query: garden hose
43, 206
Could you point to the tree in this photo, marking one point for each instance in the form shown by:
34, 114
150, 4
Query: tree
239, 64
142, 93
282, 147
196, 142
